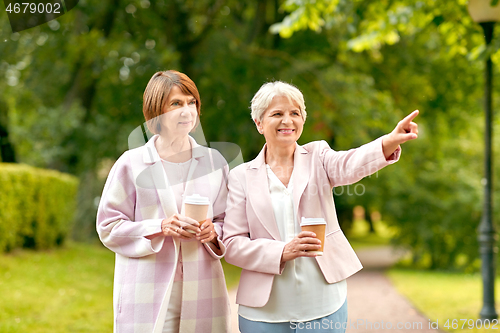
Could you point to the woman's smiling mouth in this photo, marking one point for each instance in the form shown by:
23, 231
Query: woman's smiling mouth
286, 130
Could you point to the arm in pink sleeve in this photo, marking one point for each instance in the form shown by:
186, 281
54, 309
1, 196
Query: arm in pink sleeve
116, 223
348, 167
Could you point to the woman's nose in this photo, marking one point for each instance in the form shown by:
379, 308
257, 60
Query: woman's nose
184, 110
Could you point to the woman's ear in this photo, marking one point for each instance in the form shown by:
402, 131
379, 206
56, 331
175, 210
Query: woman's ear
258, 124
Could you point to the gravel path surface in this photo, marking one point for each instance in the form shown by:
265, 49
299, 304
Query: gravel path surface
374, 304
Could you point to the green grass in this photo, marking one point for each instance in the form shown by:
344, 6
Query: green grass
232, 274
64, 290
444, 296
359, 236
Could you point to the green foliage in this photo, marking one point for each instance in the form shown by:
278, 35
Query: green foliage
377, 23
36, 207
73, 89
424, 55
304, 14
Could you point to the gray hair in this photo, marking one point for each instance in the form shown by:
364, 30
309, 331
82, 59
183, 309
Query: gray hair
266, 93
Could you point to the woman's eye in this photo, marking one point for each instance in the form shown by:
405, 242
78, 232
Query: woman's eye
192, 102
175, 103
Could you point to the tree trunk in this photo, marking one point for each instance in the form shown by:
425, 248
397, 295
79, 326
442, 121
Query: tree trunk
368, 218
83, 90
7, 152
258, 22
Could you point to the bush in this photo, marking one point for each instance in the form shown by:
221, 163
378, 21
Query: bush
36, 207
434, 197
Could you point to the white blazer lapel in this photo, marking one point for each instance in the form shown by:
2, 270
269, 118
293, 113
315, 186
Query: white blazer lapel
259, 196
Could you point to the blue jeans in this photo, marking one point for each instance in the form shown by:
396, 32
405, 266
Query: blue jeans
334, 323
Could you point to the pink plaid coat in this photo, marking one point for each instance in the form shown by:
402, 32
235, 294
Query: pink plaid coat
135, 200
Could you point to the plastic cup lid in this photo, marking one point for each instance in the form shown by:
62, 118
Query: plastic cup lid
197, 199
312, 221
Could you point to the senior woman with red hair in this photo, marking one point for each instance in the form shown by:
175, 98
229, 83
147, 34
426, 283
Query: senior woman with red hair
284, 287
168, 277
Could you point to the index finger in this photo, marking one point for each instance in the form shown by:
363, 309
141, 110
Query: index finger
187, 219
306, 234
410, 117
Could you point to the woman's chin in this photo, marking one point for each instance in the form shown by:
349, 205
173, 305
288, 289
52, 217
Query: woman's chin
283, 142
178, 133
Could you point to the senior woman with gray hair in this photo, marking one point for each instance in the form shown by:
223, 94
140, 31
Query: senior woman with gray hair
284, 285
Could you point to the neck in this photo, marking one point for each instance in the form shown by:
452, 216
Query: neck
168, 146
280, 155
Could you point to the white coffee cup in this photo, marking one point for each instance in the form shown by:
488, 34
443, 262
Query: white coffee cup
196, 207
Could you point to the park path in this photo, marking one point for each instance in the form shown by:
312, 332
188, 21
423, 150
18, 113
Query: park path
373, 302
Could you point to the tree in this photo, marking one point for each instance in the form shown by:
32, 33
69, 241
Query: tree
413, 51
74, 89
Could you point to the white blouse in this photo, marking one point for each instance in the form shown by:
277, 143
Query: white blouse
177, 174
301, 292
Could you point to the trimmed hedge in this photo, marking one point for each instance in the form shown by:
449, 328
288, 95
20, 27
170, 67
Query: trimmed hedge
36, 206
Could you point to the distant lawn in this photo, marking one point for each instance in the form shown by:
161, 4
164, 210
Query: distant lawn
359, 236
442, 296
231, 273
63, 290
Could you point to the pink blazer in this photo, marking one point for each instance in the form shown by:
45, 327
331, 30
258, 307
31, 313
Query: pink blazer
251, 235
135, 200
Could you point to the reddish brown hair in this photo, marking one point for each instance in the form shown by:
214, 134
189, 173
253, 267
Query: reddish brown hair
156, 95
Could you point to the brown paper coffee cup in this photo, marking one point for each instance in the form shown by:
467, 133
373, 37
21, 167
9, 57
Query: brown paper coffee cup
318, 226
196, 207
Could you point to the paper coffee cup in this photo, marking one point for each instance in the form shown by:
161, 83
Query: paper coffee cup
196, 207
318, 226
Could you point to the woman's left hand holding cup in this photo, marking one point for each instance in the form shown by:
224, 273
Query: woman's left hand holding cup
178, 225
